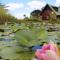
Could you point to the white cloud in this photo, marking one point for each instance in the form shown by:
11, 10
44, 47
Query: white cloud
30, 6
35, 4
12, 6
19, 16
57, 3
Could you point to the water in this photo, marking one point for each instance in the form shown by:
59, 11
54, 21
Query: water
10, 49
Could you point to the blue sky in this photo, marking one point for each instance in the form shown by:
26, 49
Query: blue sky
20, 7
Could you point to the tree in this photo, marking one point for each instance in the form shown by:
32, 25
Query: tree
2, 9
3, 13
5, 16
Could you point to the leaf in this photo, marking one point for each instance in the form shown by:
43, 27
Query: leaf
30, 37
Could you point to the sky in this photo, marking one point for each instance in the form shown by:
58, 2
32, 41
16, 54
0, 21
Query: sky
19, 8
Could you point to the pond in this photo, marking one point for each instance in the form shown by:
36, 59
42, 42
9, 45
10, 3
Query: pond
10, 49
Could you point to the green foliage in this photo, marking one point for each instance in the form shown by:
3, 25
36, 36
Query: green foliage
31, 36
2, 9
5, 16
24, 37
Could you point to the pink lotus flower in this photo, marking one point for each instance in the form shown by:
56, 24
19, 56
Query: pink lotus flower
48, 52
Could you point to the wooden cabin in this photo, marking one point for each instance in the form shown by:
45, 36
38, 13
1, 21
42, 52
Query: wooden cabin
49, 10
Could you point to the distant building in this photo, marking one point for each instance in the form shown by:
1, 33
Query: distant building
48, 9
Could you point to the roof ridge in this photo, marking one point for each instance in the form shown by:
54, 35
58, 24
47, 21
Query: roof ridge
52, 8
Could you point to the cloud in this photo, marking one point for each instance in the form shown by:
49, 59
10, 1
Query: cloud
12, 6
19, 16
57, 3
19, 9
35, 4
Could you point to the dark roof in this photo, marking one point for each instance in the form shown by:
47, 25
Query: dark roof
55, 8
35, 12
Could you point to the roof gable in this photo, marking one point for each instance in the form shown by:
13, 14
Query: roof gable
53, 8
